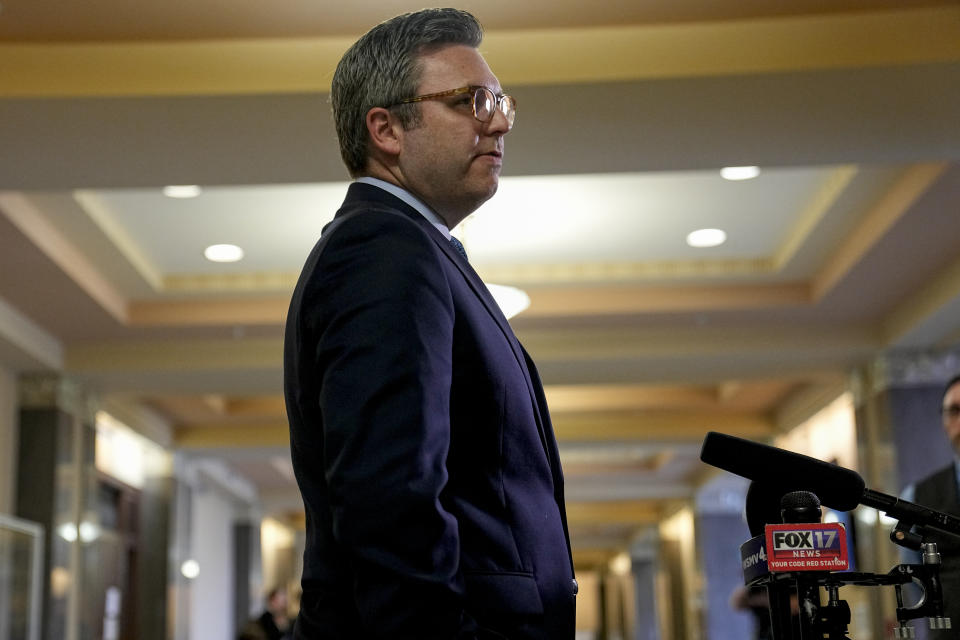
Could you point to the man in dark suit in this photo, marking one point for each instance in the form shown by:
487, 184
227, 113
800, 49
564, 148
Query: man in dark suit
419, 431
941, 491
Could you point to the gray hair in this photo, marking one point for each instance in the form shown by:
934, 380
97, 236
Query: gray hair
382, 68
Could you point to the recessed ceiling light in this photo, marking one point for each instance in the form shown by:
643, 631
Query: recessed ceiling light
181, 191
703, 238
739, 173
223, 253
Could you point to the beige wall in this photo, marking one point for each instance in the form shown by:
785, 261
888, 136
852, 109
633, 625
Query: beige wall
8, 441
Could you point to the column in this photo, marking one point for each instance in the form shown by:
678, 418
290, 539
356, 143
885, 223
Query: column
721, 529
55, 488
644, 553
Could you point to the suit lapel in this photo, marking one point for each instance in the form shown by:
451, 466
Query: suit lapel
481, 291
382, 199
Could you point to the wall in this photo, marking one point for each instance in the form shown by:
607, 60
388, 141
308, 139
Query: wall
678, 566
830, 434
277, 553
918, 436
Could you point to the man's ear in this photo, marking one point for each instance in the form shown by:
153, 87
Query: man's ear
385, 131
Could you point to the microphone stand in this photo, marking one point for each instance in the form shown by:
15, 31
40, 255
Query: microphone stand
778, 602
815, 620
927, 574
845, 490
831, 620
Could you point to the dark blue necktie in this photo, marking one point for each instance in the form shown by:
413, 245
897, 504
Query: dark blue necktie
459, 247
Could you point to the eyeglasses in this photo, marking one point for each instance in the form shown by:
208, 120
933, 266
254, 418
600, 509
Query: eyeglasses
485, 102
950, 412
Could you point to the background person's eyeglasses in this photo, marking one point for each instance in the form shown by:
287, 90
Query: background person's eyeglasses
485, 102
950, 412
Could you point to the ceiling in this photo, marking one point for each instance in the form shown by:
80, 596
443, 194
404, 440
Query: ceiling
843, 248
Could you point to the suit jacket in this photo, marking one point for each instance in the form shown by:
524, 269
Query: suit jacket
421, 444
939, 491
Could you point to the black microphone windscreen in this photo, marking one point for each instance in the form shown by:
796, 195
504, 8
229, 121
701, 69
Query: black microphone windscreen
800, 506
763, 506
837, 487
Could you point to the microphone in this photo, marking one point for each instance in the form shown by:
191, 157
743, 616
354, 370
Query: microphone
837, 487
802, 544
800, 506
784, 471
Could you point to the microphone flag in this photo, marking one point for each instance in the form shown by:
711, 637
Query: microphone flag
807, 546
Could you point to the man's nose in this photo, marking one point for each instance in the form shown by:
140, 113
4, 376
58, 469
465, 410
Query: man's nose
498, 123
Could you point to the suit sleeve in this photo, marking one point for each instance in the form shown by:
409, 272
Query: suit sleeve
384, 328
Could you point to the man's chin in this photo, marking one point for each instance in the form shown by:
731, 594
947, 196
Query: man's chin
483, 198
483, 192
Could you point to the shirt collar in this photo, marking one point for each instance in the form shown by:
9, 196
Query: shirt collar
411, 200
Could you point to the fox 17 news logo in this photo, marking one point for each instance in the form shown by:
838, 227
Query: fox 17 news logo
807, 547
